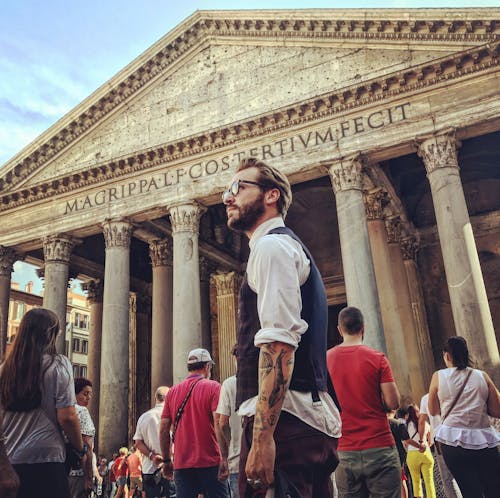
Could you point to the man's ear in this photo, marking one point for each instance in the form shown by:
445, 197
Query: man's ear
271, 196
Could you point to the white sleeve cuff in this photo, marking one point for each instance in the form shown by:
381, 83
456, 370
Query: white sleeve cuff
265, 336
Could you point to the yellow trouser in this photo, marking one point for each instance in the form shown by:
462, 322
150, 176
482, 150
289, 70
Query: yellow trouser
421, 464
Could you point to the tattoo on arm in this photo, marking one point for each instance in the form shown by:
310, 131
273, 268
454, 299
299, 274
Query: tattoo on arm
275, 366
278, 391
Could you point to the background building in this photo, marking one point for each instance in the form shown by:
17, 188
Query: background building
76, 326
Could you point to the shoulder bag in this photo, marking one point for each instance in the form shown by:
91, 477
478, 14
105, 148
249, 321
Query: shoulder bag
180, 411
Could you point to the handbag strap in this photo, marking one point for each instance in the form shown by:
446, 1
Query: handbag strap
180, 411
457, 396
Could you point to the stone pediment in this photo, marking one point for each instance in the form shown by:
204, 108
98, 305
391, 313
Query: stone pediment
242, 73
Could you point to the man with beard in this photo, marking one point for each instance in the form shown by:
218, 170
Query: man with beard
290, 422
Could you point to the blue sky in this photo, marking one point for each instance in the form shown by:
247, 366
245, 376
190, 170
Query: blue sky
55, 53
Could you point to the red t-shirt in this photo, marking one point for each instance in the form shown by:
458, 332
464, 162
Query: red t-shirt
356, 373
195, 441
123, 470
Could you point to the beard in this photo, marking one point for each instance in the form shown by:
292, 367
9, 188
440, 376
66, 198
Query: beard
246, 217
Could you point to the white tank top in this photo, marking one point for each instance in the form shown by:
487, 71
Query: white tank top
467, 425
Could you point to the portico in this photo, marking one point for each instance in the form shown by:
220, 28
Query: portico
403, 222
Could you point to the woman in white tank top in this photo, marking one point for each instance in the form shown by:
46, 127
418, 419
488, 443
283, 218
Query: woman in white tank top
464, 397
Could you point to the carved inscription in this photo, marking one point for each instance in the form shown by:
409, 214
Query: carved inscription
329, 135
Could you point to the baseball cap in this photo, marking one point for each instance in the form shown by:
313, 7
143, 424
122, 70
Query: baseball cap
199, 355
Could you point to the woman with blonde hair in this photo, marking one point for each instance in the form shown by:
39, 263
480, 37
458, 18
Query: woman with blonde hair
37, 398
464, 397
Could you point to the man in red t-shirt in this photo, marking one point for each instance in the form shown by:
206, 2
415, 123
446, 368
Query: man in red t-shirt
195, 467
365, 387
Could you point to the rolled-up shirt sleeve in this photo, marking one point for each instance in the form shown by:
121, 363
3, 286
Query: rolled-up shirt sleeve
276, 270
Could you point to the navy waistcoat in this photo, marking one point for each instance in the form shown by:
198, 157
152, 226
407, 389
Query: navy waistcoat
310, 372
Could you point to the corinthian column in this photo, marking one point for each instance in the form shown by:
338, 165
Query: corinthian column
388, 288
7, 259
227, 286
359, 274
115, 337
469, 303
57, 251
160, 252
94, 289
185, 219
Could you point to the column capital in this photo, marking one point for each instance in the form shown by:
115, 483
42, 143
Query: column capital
94, 290
409, 248
185, 216
438, 150
7, 259
160, 252
393, 228
57, 248
225, 283
117, 232
347, 174
375, 201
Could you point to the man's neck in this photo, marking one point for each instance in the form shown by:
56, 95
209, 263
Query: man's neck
352, 340
265, 217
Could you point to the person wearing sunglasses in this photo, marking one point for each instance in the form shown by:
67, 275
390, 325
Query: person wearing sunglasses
291, 424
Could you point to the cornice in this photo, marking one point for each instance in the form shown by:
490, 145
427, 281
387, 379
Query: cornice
340, 101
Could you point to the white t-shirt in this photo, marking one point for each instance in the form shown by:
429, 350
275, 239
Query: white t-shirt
226, 406
434, 420
147, 430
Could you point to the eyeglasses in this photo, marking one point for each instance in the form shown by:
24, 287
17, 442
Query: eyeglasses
235, 188
87, 394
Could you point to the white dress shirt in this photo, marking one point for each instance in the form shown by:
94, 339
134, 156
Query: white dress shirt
277, 267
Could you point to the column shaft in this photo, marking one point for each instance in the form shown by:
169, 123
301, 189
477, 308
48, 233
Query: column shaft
57, 251
416, 297
7, 260
206, 267
94, 290
161, 340
391, 312
186, 288
470, 307
359, 274
115, 337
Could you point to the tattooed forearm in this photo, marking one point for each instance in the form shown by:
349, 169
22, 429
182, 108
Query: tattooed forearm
275, 368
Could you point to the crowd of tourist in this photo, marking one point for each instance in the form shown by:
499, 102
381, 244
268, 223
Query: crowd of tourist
296, 421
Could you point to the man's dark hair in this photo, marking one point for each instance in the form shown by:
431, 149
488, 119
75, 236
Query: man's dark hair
197, 366
234, 350
351, 320
271, 177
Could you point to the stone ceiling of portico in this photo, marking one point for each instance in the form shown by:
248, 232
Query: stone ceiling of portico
220, 68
